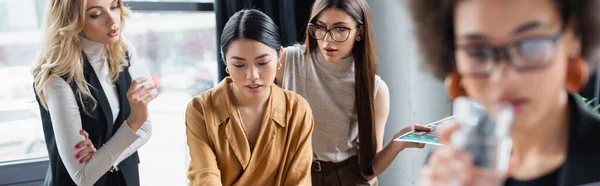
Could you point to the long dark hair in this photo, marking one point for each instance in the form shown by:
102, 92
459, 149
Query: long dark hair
253, 25
365, 70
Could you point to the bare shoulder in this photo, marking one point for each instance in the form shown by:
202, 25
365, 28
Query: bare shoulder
288, 56
383, 90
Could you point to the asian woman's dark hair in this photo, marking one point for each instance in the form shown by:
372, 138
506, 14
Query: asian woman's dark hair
253, 25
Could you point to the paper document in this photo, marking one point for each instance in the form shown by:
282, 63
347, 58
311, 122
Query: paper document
138, 69
424, 137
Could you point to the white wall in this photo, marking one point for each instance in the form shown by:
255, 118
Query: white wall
415, 95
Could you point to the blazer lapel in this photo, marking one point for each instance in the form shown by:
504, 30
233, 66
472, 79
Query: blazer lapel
267, 133
226, 117
238, 141
261, 150
272, 122
122, 84
98, 92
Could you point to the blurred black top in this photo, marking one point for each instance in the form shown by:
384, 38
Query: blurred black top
582, 164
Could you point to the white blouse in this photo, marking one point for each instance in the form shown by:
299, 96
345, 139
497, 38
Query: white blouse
66, 121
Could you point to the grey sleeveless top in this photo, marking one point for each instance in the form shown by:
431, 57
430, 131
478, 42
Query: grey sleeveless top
329, 89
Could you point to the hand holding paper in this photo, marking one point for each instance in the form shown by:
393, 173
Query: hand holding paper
427, 137
138, 69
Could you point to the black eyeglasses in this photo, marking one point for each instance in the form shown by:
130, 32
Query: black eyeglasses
524, 55
338, 34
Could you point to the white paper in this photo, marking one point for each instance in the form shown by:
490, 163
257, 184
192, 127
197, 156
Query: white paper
138, 69
424, 137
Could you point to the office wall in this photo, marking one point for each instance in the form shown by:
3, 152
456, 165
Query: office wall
415, 95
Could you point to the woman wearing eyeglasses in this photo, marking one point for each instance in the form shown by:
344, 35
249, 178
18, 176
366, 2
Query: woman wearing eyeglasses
530, 54
335, 70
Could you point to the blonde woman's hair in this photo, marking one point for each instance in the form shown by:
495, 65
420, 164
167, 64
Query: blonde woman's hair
61, 53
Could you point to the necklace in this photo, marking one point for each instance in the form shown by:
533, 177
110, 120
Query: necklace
242, 122
244, 128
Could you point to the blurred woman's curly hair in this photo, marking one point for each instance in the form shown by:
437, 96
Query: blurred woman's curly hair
434, 28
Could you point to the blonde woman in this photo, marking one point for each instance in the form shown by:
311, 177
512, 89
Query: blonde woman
94, 117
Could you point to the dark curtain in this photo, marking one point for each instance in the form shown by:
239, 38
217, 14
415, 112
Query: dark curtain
290, 15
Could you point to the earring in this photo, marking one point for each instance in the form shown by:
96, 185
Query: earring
453, 86
227, 70
577, 74
279, 65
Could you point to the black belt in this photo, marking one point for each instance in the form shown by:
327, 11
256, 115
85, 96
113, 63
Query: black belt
115, 178
327, 166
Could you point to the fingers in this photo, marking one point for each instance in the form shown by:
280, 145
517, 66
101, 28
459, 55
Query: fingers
448, 165
86, 154
86, 157
435, 176
86, 151
446, 131
423, 128
143, 89
84, 134
145, 97
445, 155
429, 178
86, 142
414, 127
134, 85
150, 98
415, 145
438, 175
481, 176
403, 131
142, 94
133, 89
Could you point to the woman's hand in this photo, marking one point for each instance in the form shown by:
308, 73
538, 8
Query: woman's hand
452, 166
138, 100
85, 154
413, 127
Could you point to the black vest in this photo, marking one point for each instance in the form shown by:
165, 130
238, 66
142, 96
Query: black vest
98, 123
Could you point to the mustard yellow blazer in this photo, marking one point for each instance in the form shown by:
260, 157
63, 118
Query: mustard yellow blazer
219, 150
